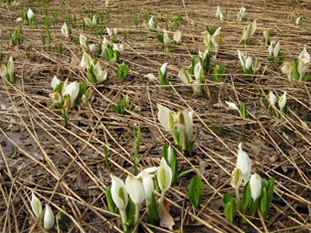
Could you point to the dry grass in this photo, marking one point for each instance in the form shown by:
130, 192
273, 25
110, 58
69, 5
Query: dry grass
65, 166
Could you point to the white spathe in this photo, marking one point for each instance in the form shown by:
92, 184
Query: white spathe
165, 117
282, 101
164, 176
148, 185
166, 37
272, 98
184, 76
163, 69
72, 90
83, 41
135, 189
30, 14
244, 164
65, 30
49, 219
36, 205
86, 61
177, 36
232, 106
55, 82
119, 193
101, 75
219, 14
10, 67
256, 186
303, 62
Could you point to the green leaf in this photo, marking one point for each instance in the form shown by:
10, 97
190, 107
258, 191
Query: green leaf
230, 210
152, 212
195, 60
130, 213
295, 73
58, 89
183, 173
307, 78
122, 71
195, 191
111, 206
82, 90
218, 72
91, 74
227, 198
264, 202
161, 38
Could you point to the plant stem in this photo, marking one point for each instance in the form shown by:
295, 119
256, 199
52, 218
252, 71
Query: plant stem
160, 202
237, 194
137, 210
123, 218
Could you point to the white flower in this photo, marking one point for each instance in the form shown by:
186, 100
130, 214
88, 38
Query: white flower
244, 164
232, 106
151, 77
55, 82
92, 48
282, 101
272, 98
86, 61
216, 38
166, 37
270, 49
150, 170
188, 118
94, 21
198, 71
19, 20
266, 36
148, 185
10, 67
177, 36
276, 49
303, 62
119, 193
242, 59
249, 31
151, 23
49, 219
109, 32
118, 48
65, 30
36, 205
72, 90
163, 69
165, 117
83, 41
3, 71
248, 63
256, 186
135, 189
87, 21
101, 75
241, 14
236, 178
184, 76
287, 69
298, 20
252, 27
219, 14
30, 14
164, 176
107, 3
